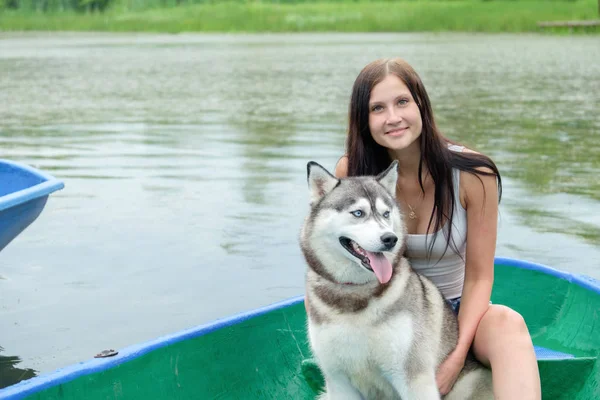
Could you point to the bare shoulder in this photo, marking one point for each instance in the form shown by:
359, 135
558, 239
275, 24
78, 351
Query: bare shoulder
481, 169
485, 170
470, 151
341, 168
475, 187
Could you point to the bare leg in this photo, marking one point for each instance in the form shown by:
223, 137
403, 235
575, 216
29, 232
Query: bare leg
502, 342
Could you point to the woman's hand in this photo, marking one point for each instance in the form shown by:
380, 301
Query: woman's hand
448, 371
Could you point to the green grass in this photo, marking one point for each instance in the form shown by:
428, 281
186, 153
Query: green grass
379, 16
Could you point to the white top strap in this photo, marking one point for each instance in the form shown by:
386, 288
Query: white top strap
455, 147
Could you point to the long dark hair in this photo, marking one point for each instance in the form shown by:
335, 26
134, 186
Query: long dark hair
366, 157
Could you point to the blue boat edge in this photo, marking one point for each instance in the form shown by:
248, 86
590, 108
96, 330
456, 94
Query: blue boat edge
48, 185
64, 375
23, 196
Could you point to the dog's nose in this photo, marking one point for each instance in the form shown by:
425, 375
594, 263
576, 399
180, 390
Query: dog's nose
389, 240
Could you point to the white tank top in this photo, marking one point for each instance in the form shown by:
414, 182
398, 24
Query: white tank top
445, 268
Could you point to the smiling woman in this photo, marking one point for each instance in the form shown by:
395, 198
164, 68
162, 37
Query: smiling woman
448, 193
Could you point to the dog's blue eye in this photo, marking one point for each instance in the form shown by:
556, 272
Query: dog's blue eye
386, 214
357, 213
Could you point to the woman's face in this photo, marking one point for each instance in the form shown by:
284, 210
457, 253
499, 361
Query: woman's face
394, 116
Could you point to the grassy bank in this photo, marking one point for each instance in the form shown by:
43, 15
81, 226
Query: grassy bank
378, 16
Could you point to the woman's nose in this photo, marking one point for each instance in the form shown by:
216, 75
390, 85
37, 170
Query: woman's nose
394, 116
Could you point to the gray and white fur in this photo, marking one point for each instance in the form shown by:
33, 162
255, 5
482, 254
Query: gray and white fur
374, 336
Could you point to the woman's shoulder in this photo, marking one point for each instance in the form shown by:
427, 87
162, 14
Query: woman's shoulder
341, 168
465, 150
459, 148
473, 185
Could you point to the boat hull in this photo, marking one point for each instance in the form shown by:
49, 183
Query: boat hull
24, 192
262, 354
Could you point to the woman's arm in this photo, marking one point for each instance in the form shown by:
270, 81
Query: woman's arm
481, 201
341, 168
479, 195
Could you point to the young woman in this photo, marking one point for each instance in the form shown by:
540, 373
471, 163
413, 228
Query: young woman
449, 196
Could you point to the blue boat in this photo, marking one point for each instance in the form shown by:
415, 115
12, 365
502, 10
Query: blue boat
24, 191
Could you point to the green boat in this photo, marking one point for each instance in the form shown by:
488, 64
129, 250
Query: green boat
264, 353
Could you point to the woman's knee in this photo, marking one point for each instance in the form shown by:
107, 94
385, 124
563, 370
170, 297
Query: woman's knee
500, 327
502, 320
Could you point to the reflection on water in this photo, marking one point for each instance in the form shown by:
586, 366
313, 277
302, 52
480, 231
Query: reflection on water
9, 373
184, 159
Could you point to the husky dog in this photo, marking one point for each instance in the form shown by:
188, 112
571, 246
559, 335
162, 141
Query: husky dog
377, 329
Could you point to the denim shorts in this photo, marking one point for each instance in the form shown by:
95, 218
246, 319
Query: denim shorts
455, 304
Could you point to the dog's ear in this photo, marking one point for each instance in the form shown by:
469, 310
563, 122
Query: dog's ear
320, 181
389, 177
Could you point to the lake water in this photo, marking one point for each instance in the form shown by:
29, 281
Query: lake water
184, 161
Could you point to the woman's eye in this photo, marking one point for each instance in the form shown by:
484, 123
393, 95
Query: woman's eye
357, 213
376, 108
386, 214
403, 102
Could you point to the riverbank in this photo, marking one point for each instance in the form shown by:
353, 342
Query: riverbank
423, 16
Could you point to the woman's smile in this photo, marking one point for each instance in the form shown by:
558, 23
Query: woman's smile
396, 131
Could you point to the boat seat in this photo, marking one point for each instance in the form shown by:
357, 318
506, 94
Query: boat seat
543, 353
573, 372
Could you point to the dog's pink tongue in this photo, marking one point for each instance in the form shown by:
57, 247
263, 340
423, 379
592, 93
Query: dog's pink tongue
381, 266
